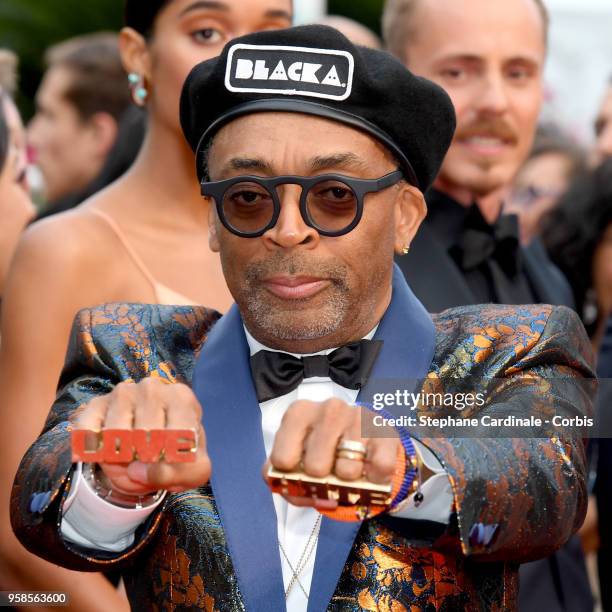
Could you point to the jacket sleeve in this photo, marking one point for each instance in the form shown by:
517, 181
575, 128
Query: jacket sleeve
521, 498
107, 345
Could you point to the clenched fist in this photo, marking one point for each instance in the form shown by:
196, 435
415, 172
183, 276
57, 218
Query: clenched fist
308, 440
149, 405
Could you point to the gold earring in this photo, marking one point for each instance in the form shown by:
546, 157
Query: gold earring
406, 250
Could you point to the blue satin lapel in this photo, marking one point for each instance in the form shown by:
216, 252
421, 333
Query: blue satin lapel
232, 421
408, 336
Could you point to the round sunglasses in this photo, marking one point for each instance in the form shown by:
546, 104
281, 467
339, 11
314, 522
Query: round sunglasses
249, 206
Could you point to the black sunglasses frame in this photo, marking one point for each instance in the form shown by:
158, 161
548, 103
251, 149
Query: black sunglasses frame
361, 187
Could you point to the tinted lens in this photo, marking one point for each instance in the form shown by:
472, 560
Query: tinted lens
248, 207
332, 205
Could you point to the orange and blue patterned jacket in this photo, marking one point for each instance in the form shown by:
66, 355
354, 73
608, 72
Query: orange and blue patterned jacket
514, 499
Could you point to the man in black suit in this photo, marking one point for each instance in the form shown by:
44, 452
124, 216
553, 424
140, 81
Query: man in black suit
489, 56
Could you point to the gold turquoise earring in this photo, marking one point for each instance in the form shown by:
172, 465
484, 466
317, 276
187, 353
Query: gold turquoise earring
137, 86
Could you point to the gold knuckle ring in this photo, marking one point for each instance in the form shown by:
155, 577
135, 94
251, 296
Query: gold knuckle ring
351, 455
353, 446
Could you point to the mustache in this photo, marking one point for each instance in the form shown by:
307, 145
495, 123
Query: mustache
496, 128
294, 265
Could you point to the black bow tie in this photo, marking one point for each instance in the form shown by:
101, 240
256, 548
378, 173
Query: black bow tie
481, 242
277, 374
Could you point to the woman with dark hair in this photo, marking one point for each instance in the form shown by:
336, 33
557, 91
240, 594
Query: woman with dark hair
142, 239
578, 237
15, 206
554, 163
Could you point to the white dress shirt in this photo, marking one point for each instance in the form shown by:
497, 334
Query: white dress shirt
90, 521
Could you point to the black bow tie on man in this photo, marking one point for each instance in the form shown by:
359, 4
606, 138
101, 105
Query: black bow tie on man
481, 242
276, 374
495, 249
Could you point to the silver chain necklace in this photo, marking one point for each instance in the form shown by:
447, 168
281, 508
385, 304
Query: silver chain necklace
305, 557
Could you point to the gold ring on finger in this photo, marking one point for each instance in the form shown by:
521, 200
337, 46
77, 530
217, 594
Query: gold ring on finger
353, 446
351, 455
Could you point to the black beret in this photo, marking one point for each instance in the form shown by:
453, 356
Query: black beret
316, 70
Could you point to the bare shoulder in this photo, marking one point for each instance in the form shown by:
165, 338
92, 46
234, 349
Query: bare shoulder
70, 237
74, 246
62, 263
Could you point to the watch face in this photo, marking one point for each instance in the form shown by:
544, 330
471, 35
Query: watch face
98, 483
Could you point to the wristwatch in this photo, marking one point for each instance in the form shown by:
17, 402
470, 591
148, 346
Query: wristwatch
102, 487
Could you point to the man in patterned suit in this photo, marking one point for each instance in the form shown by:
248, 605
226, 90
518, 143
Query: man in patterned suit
315, 167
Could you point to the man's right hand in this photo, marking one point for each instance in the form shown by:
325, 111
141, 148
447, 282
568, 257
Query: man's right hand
149, 404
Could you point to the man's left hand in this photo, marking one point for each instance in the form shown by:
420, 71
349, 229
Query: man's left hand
308, 438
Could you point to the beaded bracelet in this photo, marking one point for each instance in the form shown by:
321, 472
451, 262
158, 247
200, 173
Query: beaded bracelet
411, 455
